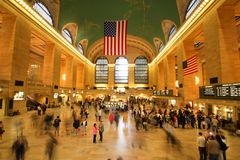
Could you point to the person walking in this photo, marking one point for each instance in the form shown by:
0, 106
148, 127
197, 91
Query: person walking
116, 118
202, 146
50, 147
94, 131
56, 125
111, 117
213, 148
19, 147
1, 129
101, 130
84, 125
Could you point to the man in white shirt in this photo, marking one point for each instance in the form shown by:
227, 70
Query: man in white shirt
202, 146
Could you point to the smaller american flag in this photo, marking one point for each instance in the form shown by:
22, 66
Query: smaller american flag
190, 66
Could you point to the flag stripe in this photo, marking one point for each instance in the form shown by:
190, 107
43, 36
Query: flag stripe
115, 35
190, 66
105, 46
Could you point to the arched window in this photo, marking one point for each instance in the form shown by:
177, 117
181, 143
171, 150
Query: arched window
141, 70
172, 32
80, 48
43, 11
191, 7
67, 35
101, 70
161, 46
121, 70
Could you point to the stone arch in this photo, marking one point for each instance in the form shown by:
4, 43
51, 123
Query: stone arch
182, 7
53, 6
136, 47
166, 27
73, 29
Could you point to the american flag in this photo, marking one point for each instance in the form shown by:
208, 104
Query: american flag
190, 66
115, 37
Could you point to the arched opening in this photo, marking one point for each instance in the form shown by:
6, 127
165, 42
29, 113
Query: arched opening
191, 7
101, 70
172, 32
43, 11
121, 70
67, 35
141, 70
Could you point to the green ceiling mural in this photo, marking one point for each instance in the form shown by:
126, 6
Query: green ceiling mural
144, 16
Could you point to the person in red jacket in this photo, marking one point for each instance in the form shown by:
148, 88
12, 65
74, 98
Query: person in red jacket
111, 117
94, 131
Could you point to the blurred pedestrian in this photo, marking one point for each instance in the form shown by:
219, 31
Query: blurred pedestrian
1, 129
19, 147
51, 147
213, 148
84, 125
116, 118
76, 125
111, 117
39, 109
101, 130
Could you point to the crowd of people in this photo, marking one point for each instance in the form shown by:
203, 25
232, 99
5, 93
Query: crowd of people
211, 143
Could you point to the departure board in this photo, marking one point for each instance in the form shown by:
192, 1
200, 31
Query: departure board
209, 91
224, 91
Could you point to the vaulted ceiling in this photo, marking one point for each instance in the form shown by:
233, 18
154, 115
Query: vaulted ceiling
144, 16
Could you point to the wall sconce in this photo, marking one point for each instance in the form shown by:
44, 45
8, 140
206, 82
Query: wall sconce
64, 77
177, 83
197, 80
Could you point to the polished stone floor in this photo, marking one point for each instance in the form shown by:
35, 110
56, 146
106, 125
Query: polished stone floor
122, 142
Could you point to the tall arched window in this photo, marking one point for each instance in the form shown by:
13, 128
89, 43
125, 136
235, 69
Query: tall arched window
101, 70
67, 35
80, 48
43, 11
121, 70
161, 46
141, 70
172, 32
191, 7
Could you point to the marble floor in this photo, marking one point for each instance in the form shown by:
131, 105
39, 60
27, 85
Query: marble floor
123, 142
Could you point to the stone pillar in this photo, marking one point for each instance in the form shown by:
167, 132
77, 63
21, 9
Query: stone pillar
7, 36
211, 47
80, 76
89, 75
161, 79
171, 72
48, 64
131, 77
69, 72
20, 60
228, 45
111, 76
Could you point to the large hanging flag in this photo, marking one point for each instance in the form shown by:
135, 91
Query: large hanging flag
115, 37
190, 66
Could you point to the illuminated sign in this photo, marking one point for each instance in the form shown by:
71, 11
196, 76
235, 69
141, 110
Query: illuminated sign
163, 93
225, 91
55, 95
18, 96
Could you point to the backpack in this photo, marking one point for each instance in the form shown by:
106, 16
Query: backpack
55, 124
223, 146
